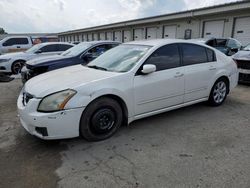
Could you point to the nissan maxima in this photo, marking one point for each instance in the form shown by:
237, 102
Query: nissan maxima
129, 82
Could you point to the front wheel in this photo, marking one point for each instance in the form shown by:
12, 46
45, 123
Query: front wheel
219, 92
17, 67
101, 119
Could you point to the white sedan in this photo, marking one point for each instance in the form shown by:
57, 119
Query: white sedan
132, 81
12, 63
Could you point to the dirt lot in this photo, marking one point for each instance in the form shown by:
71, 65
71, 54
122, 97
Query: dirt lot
198, 146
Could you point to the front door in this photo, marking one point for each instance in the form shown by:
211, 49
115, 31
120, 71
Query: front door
163, 88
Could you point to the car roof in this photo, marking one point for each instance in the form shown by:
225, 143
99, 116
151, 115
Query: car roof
101, 42
160, 42
47, 43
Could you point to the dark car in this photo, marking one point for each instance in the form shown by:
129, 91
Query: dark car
82, 53
228, 46
242, 59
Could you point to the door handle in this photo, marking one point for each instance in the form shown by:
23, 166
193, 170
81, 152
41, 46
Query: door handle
18, 47
212, 68
178, 75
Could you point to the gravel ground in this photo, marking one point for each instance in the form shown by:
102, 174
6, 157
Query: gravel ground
197, 146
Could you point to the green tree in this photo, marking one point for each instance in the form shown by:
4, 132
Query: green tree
2, 31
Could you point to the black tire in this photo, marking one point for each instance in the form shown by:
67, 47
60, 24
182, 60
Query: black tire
17, 66
101, 119
218, 92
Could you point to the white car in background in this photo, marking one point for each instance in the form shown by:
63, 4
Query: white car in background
12, 63
129, 82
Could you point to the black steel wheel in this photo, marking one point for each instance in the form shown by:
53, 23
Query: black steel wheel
101, 119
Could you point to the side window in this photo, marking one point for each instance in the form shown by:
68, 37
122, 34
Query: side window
16, 41
49, 48
63, 47
221, 42
210, 55
166, 57
193, 54
98, 50
22, 41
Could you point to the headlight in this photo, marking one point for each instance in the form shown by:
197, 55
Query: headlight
4, 60
55, 101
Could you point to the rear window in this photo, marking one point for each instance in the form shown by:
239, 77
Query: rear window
193, 54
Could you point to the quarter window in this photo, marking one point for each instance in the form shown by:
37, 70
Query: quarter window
166, 57
193, 54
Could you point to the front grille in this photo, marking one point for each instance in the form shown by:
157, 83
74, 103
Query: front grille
243, 64
26, 98
244, 77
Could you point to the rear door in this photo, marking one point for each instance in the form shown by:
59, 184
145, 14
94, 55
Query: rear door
200, 67
163, 88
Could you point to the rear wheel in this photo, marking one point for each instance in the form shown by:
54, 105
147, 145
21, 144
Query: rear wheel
101, 119
219, 92
17, 67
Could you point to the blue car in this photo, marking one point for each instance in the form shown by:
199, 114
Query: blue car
82, 53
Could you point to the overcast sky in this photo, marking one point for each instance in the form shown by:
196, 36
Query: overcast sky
17, 16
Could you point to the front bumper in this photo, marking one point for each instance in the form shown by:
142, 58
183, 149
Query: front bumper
48, 126
244, 76
5, 67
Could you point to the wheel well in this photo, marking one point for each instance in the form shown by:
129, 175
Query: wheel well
227, 82
121, 103
20, 60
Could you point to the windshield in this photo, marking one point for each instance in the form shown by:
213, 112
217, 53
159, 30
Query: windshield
247, 48
34, 49
76, 50
120, 59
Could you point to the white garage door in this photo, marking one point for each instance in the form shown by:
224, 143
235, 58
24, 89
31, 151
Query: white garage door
127, 36
214, 29
138, 34
102, 36
85, 37
118, 36
170, 31
90, 38
109, 36
152, 33
242, 30
95, 36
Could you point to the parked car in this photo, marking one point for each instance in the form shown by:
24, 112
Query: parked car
243, 61
132, 81
15, 44
82, 53
228, 46
12, 63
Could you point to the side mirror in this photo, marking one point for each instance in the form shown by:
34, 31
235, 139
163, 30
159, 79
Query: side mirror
88, 57
38, 51
147, 69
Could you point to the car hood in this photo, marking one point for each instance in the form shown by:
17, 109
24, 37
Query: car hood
41, 60
12, 55
242, 55
65, 78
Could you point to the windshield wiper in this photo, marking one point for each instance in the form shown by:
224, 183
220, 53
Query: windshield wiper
97, 67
